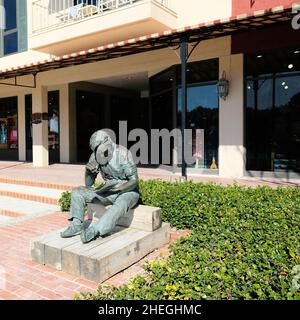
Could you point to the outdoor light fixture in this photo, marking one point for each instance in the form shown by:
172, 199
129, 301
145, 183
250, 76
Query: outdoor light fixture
223, 87
291, 66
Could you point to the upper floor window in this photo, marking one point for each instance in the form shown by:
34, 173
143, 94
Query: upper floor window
10, 33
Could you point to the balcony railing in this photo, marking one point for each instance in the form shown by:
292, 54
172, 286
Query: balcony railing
47, 14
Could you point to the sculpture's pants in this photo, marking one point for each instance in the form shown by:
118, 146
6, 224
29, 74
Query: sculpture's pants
121, 203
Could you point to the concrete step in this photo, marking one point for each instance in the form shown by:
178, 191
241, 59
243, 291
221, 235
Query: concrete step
14, 209
33, 183
101, 258
37, 194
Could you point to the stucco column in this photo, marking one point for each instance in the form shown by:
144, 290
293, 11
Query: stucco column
64, 120
231, 119
72, 123
21, 127
40, 131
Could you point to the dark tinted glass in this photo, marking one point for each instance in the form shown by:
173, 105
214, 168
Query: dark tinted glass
11, 14
201, 71
273, 111
162, 81
203, 113
280, 61
11, 43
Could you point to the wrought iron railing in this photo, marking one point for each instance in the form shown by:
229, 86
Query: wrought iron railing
52, 13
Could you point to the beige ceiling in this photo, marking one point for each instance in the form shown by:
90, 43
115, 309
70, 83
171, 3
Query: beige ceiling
136, 81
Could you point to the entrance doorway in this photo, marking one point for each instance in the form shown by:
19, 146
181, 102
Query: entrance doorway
104, 110
90, 118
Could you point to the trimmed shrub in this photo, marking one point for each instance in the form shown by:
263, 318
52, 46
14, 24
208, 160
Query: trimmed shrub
244, 244
65, 201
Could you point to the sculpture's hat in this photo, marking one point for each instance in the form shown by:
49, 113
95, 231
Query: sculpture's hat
98, 138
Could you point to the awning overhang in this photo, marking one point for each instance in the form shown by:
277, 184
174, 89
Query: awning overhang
170, 38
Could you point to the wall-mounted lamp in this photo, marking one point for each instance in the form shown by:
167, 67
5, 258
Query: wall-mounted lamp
223, 87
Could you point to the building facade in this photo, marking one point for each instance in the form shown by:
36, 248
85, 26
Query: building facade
254, 131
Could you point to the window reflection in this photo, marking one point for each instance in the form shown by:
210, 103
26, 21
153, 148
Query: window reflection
287, 124
273, 113
202, 108
203, 113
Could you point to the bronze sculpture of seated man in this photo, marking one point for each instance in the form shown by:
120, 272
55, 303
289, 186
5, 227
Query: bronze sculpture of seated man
120, 188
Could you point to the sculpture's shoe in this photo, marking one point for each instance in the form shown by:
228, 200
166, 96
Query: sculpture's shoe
71, 231
88, 235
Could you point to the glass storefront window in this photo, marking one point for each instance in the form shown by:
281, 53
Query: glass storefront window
273, 111
287, 124
9, 128
162, 111
200, 71
163, 81
53, 125
202, 106
259, 118
203, 113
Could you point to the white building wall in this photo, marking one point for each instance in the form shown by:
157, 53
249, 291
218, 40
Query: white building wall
197, 11
231, 119
64, 121
40, 151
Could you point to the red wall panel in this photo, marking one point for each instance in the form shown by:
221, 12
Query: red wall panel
264, 40
247, 6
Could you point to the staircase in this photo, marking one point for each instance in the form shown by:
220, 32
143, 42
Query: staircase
21, 200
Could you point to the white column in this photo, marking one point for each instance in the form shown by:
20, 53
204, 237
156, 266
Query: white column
40, 131
231, 119
64, 120
72, 123
21, 127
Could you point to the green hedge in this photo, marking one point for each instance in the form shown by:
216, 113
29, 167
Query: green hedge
244, 244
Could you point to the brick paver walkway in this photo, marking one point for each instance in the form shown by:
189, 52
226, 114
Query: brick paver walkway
25, 279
